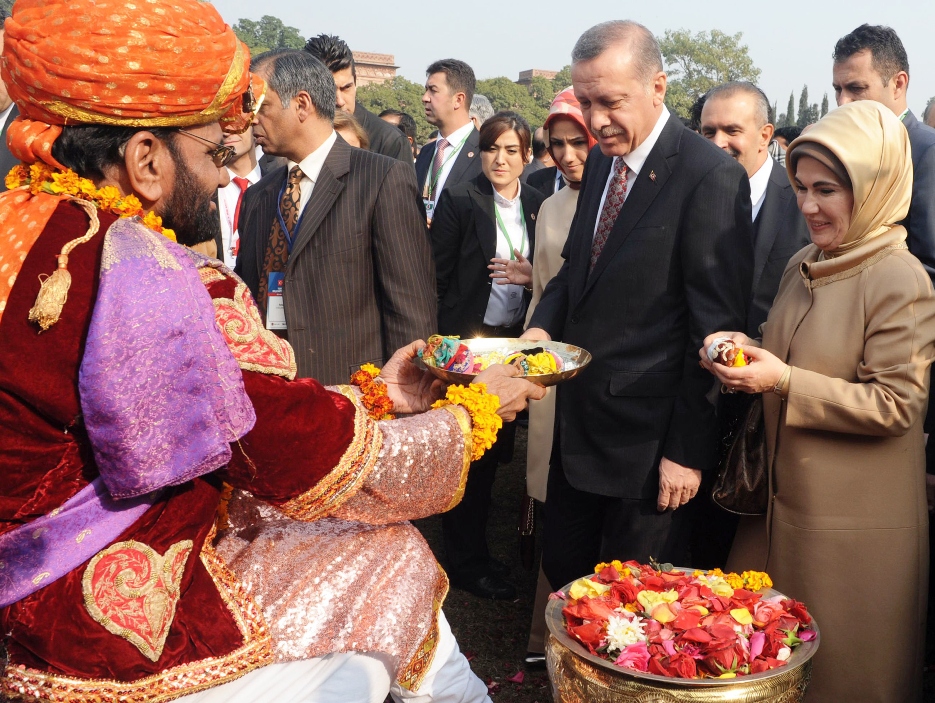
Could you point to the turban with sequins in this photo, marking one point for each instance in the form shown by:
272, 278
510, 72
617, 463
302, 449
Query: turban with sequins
133, 63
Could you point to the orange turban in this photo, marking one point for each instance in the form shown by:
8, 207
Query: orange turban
133, 63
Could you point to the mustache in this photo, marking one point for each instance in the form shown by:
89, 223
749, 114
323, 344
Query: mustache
606, 132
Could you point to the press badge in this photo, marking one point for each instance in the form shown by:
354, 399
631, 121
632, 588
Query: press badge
275, 311
429, 208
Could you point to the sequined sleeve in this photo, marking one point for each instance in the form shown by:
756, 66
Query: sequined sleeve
421, 469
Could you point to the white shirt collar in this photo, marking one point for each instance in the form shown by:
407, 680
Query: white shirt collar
5, 115
636, 158
504, 202
459, 135
758, 183
254, 176
311, 164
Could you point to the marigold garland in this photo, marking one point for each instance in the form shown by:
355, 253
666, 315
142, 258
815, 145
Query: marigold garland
374, 399
41, 178
482, 407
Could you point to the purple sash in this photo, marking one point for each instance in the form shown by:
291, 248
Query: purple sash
162, 398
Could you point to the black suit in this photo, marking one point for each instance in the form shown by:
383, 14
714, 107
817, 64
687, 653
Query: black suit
465, 167
359, 282
7, 160
464, 240
779, 232
676, 266
921, 220
543, 180
385, 138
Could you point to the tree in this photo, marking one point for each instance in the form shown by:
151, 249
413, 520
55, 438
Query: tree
790, 112
542, 91
562, 80
695, 63
824, 106
504, 94
397, 94
268, 33
804, 111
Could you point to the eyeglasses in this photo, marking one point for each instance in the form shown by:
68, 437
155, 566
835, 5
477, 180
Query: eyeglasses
221, 154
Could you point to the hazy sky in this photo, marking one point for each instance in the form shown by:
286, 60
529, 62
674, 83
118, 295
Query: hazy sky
790, 42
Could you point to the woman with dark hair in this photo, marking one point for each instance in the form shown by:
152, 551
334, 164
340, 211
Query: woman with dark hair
483, 230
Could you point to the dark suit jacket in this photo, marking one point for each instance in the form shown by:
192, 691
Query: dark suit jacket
464, 240
7, 160
266, 163
360, 282
779, 232
677, 266
465, 167
921, 220
385, 138
543, 180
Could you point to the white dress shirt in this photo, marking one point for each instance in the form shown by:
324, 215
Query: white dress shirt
456, 139
634, 161
227, 204
505, 307
311, 166
758, 183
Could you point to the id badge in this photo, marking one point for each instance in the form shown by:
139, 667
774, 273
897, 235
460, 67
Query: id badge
275, 310
429, 208
515, 301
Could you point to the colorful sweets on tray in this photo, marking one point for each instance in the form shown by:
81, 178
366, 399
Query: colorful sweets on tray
452, 354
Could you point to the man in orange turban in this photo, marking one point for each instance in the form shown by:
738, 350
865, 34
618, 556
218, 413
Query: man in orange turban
180, 516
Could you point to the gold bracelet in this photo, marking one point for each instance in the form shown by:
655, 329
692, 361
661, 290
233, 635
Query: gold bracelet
783, 380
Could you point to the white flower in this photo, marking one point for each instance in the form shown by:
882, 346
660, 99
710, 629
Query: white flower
624, 630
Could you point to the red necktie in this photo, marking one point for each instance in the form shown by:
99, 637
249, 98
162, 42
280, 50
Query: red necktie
616, 194
243, 184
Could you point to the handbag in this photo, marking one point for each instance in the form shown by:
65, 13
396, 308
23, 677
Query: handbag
742, 483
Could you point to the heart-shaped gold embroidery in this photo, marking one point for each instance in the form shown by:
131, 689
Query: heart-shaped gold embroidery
133, 591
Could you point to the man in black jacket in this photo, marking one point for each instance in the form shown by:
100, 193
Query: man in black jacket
337, 56
658, 256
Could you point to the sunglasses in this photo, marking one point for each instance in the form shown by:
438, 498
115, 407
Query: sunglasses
221, 155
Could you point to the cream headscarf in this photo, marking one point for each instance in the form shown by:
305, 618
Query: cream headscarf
873, 146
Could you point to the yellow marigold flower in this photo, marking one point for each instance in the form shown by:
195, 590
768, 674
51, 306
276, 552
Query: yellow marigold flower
632, 607
169, 234
734, 581
370, 370
482, 407
616, 563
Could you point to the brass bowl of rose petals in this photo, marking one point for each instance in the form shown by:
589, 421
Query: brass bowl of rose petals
458, 360
657, 634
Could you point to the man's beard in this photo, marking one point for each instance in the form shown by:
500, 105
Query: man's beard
189, 213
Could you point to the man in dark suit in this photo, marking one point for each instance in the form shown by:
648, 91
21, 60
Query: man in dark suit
547, 181
337, 56
658, 256
735, 117
455, 156
8, 113
333, 246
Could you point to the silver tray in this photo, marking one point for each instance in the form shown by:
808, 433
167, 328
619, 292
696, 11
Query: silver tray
574, 357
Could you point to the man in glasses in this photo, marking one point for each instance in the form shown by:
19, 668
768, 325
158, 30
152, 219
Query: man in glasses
137, 379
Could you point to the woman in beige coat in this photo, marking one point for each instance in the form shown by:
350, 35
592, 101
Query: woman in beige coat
844, 373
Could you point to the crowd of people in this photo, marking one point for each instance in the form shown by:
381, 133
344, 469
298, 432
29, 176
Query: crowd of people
217, 277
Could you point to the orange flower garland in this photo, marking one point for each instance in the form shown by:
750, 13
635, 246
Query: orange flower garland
40, 178
482, 407
374, 399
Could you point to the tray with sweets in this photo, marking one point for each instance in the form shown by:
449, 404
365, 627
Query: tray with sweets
458, 360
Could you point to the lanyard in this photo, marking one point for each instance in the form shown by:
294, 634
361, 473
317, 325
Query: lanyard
282, 222
522, 217
434, 179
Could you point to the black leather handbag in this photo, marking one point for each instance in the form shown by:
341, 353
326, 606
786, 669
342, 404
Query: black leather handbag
742, 484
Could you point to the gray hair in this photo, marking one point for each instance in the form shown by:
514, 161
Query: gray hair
293, 71
729, 90
481, 108
646, 52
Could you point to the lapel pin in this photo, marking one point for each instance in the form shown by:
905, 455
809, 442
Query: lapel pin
652, 176
532, 216
470, 154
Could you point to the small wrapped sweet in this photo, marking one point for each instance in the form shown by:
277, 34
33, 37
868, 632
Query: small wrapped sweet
462, 361
439, 351
724, 351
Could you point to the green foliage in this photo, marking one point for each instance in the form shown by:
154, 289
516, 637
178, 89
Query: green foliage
562, 79
504, 94
397, 94
789, 118
824, 106
268, 33
808, 114
695, 63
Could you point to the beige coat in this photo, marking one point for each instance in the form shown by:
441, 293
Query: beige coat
847, 530
555, 218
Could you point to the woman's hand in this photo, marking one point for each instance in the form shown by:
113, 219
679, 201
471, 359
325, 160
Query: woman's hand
738, 338
518, 272
760, 375
411, 389
510, 387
